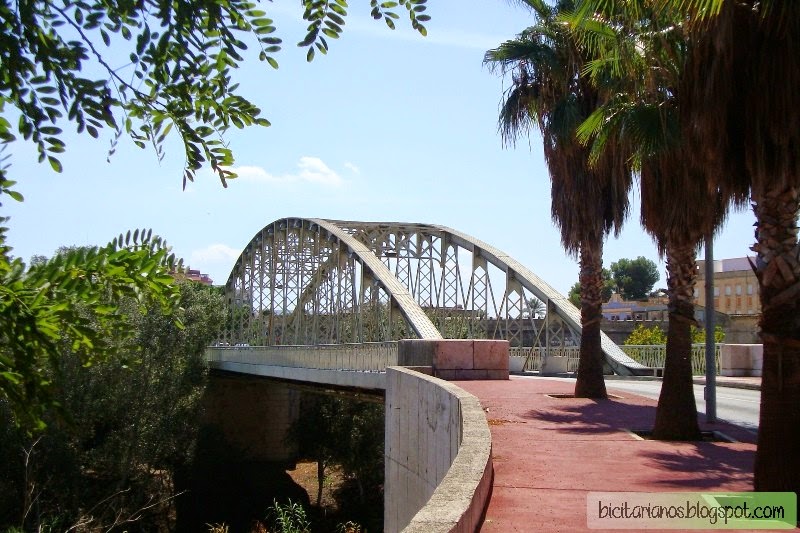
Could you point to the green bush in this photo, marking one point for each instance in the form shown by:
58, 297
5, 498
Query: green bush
654, 335
128, 423
699, 335
646, 336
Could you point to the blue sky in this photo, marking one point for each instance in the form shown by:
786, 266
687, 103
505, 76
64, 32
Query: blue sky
389, 126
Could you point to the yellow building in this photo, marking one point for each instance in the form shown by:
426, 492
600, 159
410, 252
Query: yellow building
735, 287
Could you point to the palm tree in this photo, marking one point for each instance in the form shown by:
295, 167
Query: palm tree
642, 52
536, 308
740, 109
742, 113
678, 211
549, 93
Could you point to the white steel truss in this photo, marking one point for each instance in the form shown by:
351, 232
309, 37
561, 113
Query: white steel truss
312, 281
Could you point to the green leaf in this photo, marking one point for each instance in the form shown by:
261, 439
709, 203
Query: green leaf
15, 195
55, 164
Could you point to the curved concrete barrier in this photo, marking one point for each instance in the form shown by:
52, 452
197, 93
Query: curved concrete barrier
438, 456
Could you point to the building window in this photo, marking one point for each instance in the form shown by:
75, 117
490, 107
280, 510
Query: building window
738, 289
716, 291
696, 293
727, 290
749, 288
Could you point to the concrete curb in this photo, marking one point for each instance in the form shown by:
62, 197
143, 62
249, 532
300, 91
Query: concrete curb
722, 381
731, 384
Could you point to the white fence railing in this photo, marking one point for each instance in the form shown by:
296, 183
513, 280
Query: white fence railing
650, 356
654, 356
361, 357
534, 356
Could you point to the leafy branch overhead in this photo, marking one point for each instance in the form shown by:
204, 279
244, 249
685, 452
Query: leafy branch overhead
147, 67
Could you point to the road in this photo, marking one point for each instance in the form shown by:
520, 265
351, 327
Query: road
739, 406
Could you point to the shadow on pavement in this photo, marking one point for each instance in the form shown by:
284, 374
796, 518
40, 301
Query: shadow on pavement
687, 465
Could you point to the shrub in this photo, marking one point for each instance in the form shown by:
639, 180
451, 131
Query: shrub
646, 336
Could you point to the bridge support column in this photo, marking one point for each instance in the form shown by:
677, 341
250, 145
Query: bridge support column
252, 414
456, 359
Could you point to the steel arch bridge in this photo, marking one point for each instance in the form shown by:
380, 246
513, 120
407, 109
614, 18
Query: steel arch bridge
307, 281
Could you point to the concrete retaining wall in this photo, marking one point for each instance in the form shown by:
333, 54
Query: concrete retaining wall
741, 359
455, 359
437, 455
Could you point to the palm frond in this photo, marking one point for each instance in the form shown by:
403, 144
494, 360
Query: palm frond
510, 53
518, 114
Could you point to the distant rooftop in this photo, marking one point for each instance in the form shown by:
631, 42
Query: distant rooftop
737, 263
729, 265
195, 275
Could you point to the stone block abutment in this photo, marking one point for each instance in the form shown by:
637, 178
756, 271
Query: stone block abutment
456, 359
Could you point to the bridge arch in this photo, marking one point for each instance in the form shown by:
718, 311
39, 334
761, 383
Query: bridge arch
306, 281
316, 281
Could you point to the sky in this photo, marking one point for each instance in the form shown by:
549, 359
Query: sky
389, 126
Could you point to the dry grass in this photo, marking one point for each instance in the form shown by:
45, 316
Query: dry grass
305, 475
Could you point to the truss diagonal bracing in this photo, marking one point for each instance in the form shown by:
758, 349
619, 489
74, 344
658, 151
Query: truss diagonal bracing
312, 281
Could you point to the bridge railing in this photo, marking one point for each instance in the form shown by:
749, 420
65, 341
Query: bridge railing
360, 357
534, 356
652, 356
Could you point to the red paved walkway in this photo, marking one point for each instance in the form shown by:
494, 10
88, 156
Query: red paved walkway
549, 452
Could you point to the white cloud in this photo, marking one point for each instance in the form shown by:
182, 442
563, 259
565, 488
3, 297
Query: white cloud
215, 253
350, 166
309, 170
214, 260
314, 170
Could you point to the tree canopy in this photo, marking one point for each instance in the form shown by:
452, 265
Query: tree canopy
70, 303
605, 292
634, 278
133, 423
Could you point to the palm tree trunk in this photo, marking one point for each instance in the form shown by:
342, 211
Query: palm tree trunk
590, 382
676, 414
777, 465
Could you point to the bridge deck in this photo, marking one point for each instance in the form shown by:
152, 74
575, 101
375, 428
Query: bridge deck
549, 453
345, 365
